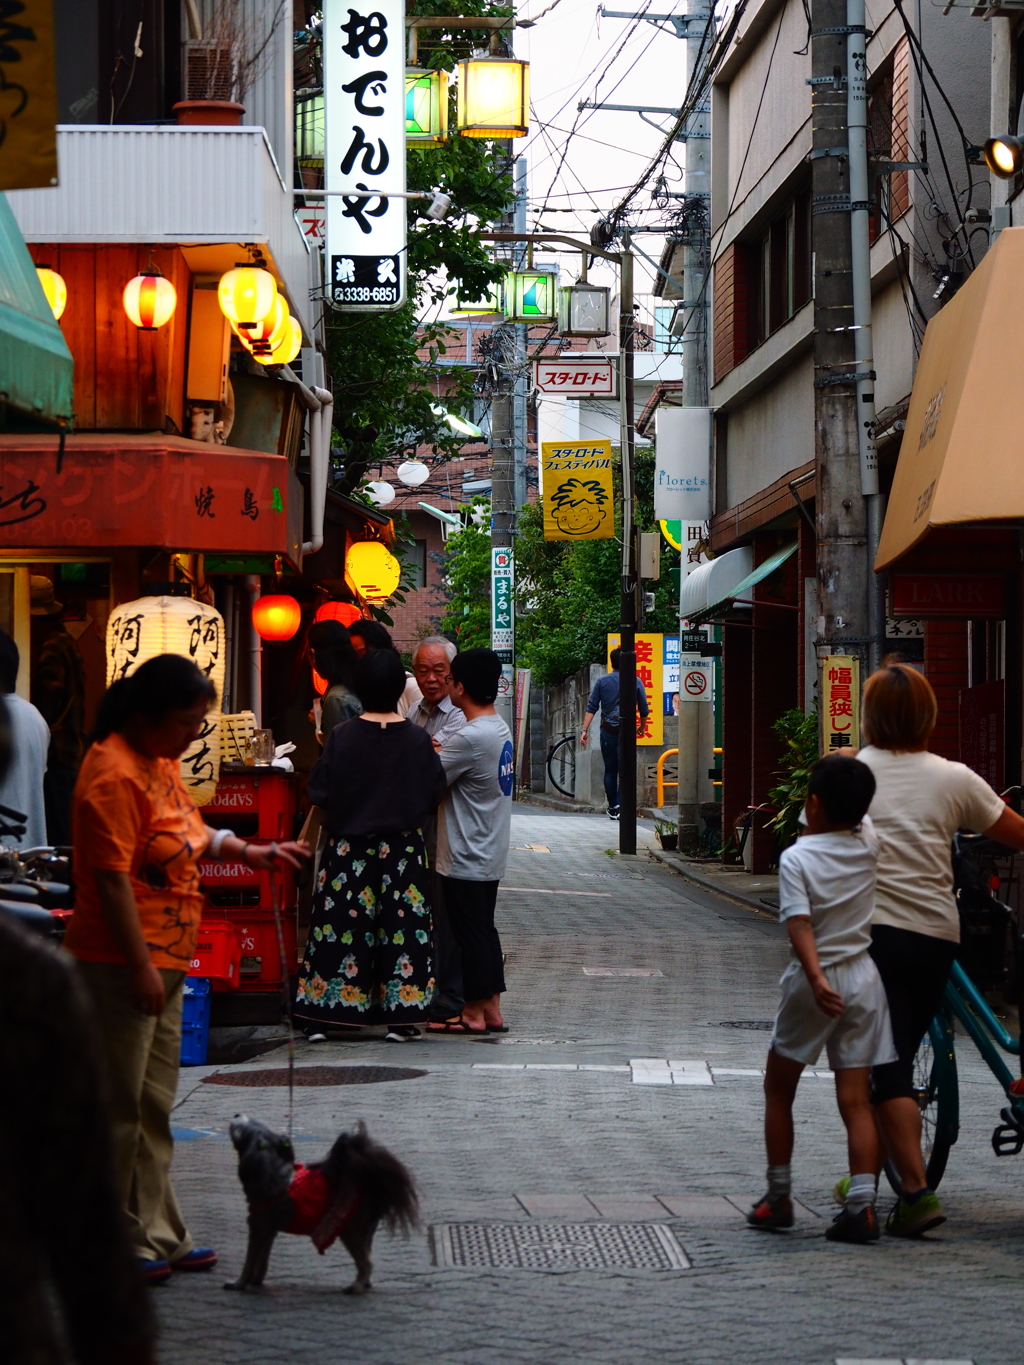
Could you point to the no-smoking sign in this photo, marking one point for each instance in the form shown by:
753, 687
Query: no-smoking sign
695, 684
695, 678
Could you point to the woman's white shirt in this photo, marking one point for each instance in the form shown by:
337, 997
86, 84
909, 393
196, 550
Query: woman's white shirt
921, 800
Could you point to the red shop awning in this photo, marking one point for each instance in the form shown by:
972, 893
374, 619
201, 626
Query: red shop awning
165, 491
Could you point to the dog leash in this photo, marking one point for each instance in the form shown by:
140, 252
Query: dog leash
287, 993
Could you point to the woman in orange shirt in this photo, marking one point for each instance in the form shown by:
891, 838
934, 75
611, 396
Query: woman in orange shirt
138, 839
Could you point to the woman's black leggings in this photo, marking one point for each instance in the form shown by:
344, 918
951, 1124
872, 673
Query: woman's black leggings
914, 969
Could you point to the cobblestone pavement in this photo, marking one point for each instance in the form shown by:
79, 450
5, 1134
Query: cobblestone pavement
550, 1124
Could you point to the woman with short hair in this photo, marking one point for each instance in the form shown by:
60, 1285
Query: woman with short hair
335, 660
920, 802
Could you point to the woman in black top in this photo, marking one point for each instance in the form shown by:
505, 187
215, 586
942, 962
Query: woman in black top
369, 955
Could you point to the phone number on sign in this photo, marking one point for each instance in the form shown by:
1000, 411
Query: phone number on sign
353, 293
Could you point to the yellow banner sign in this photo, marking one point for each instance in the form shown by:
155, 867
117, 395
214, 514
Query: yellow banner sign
839, 691
576, 487
28, 96
649, 669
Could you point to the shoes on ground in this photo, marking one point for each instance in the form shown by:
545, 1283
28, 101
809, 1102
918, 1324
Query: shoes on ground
841, 1189
1016, 1088
199, 1258
153, 1272
316, 1037
613, 812
771, 1214
403, 1033
915, 1219
859, 1227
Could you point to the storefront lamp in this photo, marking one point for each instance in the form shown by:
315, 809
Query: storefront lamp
268, 334
490, 303
287, 349
530, 296
1004, 156
494, 98
345, 612
373, 570
149, 300
426, 107
276, 616
383, 494
413, 473
246, 295
54, 288
584, 310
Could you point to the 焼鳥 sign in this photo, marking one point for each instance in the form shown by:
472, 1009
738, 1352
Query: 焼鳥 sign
576, 488
364, 153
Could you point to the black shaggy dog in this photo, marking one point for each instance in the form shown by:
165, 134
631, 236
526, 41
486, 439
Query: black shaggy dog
357, 1186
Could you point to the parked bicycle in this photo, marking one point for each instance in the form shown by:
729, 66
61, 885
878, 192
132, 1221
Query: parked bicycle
562, 765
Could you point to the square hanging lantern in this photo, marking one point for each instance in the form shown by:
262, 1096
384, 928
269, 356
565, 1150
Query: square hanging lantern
309, 128
530, 296
584, 310
491, 302
426, 107
494, 97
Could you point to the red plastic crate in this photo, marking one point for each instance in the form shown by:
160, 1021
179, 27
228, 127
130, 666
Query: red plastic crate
259, 803
218, 954
260, 968
235, 885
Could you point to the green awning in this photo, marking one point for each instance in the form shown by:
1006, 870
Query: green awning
36, 369
740, 594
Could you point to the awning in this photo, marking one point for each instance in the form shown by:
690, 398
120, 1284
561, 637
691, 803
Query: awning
36, 368
960, 460
730, 586
164, 491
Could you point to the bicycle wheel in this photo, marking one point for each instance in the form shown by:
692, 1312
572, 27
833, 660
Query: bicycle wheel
938, 1095
562, 766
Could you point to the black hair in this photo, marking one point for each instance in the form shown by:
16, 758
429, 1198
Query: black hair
380, 680
6, 740
844, 786
335, 658
479, 672
10, 658
615, 656
372, 633
167, 683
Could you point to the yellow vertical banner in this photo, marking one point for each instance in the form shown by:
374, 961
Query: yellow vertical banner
28, 95
650, 660
839, 691
576, 489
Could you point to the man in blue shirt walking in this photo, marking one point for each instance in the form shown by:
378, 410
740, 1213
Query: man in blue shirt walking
605, 698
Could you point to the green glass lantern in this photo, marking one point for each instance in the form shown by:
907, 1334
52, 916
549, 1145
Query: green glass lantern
426, 107
490, 303
309, 128
530, 296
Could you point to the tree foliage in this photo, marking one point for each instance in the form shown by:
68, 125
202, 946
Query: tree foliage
466, 567
799, 734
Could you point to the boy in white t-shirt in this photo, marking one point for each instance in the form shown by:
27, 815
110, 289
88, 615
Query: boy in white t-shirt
832, 994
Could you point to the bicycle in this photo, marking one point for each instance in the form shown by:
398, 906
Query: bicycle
562, 758
986, 924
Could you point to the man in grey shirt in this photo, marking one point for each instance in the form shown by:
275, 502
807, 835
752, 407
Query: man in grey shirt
434, 712
473, 836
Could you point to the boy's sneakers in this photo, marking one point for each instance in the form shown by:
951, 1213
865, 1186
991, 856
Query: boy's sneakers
859, 1227
913, 1218
771, 1214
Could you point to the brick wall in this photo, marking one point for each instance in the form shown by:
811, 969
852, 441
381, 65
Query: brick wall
899, 181
945, 666
730, 310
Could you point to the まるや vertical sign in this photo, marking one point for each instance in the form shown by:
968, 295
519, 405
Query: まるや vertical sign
364, 153
502, 620
839, 690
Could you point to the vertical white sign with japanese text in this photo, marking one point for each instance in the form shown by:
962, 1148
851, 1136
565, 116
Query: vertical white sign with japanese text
364, 153
502, 618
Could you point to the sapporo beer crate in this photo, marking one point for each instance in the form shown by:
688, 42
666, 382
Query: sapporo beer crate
234, 885
254, 803
217, 955
261, 966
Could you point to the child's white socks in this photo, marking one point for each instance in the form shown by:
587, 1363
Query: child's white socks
780, 1183
862, 1192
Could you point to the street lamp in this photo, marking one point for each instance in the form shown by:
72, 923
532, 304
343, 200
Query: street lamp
413, 472
373, 570
287, 348
1004, 156
54, 288
490, 303
583, 310
530, 296
276, 616
426, 107
269, 333
493, 97
149, 300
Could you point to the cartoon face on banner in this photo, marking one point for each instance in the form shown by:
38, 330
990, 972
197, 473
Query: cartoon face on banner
576, 489
150, 626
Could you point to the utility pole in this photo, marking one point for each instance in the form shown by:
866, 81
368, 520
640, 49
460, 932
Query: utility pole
843, 623
627, 631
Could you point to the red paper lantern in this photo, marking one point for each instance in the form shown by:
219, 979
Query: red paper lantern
276, 617
345, 612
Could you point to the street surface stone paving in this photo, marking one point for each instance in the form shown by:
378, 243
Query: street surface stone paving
559, 1122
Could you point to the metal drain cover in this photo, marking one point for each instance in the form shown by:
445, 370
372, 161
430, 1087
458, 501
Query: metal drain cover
558, 1246
755, 1025
316, 1075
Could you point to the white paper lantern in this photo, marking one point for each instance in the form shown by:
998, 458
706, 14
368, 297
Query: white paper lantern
141, 630
413, 473
382, 493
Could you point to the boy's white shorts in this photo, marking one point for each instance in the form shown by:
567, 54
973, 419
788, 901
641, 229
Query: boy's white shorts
861, 1036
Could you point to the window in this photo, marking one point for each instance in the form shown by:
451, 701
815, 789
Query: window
416, 556
779, 264
889, 136
664, 342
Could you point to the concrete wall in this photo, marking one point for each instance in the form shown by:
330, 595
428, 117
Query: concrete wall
772, 433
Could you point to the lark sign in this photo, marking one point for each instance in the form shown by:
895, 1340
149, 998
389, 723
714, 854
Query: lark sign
576, 376
364, 153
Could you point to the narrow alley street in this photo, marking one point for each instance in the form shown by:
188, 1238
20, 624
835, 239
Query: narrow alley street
626, 1095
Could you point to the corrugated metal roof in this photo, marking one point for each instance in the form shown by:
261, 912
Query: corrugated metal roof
36, 369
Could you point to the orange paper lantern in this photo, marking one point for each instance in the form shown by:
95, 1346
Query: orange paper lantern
276, 617
149, 300
345, 612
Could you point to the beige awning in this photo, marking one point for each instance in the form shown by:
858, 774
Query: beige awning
962, 457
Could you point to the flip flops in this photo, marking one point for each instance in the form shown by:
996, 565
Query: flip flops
455, 1026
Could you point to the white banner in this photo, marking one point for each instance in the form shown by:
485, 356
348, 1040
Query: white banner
364, 153
682, 464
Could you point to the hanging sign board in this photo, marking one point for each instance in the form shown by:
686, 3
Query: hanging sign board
576, 489
650, 654
28, 96
577, 376
682, 464
313, 222
696, 678
364, 153
502, 620
839, 689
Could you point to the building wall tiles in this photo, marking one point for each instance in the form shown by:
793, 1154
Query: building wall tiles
945, 665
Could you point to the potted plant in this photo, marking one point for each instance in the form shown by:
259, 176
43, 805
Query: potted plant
799, 733
223, 57
667, 835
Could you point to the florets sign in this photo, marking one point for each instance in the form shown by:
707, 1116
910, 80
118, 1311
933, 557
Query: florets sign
364, 153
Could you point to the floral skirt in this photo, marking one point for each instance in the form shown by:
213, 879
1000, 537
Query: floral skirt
369, 954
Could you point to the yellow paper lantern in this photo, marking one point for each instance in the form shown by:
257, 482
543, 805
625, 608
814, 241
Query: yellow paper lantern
54, 288
149, 300
140, 630
373, 570
268, 334
493, 98
246, 295
287, 349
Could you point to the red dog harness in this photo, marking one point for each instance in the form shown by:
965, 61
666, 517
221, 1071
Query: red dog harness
317, 1215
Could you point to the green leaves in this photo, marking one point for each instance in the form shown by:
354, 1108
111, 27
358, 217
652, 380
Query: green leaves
467, 571
799, 733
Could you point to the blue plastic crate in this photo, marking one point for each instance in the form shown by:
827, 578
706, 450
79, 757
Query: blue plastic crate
195, 1021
